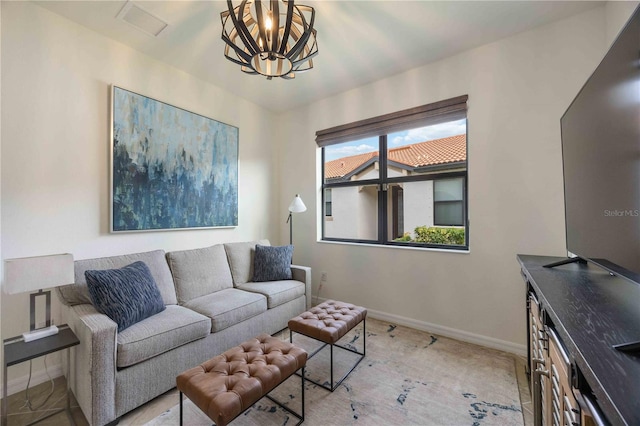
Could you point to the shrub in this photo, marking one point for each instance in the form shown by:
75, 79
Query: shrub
406, 238
438, 235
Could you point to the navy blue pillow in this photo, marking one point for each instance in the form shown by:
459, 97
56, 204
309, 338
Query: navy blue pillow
126, 295
272, 263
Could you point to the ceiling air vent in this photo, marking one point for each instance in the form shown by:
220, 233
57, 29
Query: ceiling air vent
141, 19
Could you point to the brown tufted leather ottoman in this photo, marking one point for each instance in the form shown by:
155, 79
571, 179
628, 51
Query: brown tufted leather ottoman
228, 384
328, 322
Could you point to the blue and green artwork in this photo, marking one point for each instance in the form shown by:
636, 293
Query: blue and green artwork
172, 169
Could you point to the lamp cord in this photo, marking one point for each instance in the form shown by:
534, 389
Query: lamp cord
27, 401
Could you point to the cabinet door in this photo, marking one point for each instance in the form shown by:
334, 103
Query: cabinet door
539, 363
565, 410
535, 330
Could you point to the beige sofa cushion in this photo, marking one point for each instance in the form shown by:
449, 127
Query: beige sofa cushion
228, 307
276, 292
76, 294
173, 327
240, 256
199, 272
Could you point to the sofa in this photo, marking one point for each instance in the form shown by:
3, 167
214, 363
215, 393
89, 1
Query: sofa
210, 305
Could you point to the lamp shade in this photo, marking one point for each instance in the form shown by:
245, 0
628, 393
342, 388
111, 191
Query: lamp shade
297, 206
28, 274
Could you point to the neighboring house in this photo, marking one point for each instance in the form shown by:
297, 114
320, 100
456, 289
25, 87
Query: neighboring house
351, 212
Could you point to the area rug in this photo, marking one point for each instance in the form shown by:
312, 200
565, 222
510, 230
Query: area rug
408, 377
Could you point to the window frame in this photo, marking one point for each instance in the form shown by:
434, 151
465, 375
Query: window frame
397, 211
437, 112
383, 219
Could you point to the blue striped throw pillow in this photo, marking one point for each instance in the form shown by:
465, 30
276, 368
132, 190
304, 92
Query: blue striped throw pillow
126, 295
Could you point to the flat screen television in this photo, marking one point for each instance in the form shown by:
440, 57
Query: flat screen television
601, 160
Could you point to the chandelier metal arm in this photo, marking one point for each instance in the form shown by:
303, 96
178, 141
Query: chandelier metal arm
275, 25
260, 21
237, 61
297, 48
243, 31
303, 60
245, 56
287, 27
302, 41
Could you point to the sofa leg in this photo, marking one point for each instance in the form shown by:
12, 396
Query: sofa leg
113, 423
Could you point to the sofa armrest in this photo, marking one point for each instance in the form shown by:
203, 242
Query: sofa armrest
94, 367
303, 274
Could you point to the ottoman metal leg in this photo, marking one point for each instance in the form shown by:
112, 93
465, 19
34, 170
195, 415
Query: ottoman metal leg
362, 354
299, 416
180, 408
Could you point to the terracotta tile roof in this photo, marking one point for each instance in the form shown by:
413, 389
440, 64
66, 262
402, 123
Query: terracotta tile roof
439, 151
452, 149
345, 165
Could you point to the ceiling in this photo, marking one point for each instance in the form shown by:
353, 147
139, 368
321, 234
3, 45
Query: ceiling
359, 41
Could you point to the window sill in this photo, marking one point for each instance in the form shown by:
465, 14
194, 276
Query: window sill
463, 251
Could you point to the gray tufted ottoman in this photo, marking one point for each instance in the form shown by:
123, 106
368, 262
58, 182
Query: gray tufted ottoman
328, 322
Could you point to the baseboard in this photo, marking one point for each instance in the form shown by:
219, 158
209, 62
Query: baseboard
19, 384
452, 333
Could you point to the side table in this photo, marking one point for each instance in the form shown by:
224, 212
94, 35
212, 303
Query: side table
16, 350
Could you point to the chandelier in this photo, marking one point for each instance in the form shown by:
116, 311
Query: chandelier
274, 38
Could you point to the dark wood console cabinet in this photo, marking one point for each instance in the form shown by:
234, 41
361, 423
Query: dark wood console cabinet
575, 313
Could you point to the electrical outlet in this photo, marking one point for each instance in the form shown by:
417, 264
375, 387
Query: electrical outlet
323, 277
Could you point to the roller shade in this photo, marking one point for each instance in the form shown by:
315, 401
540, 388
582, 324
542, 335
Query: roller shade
425, 115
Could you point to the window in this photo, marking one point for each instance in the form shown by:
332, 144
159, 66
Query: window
405, 185
327, 202
448, 202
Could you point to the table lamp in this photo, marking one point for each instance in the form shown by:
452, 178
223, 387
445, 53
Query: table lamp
31, 274
296, 206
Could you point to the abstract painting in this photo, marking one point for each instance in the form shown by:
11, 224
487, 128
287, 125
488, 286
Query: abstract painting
171, 168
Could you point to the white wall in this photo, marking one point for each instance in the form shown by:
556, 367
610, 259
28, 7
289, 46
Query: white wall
55, 146
617, 13
518, 89
418, 205
343, 219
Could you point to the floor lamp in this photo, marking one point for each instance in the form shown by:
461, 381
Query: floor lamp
296, 206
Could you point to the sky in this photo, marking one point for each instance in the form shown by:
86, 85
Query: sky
407, 137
